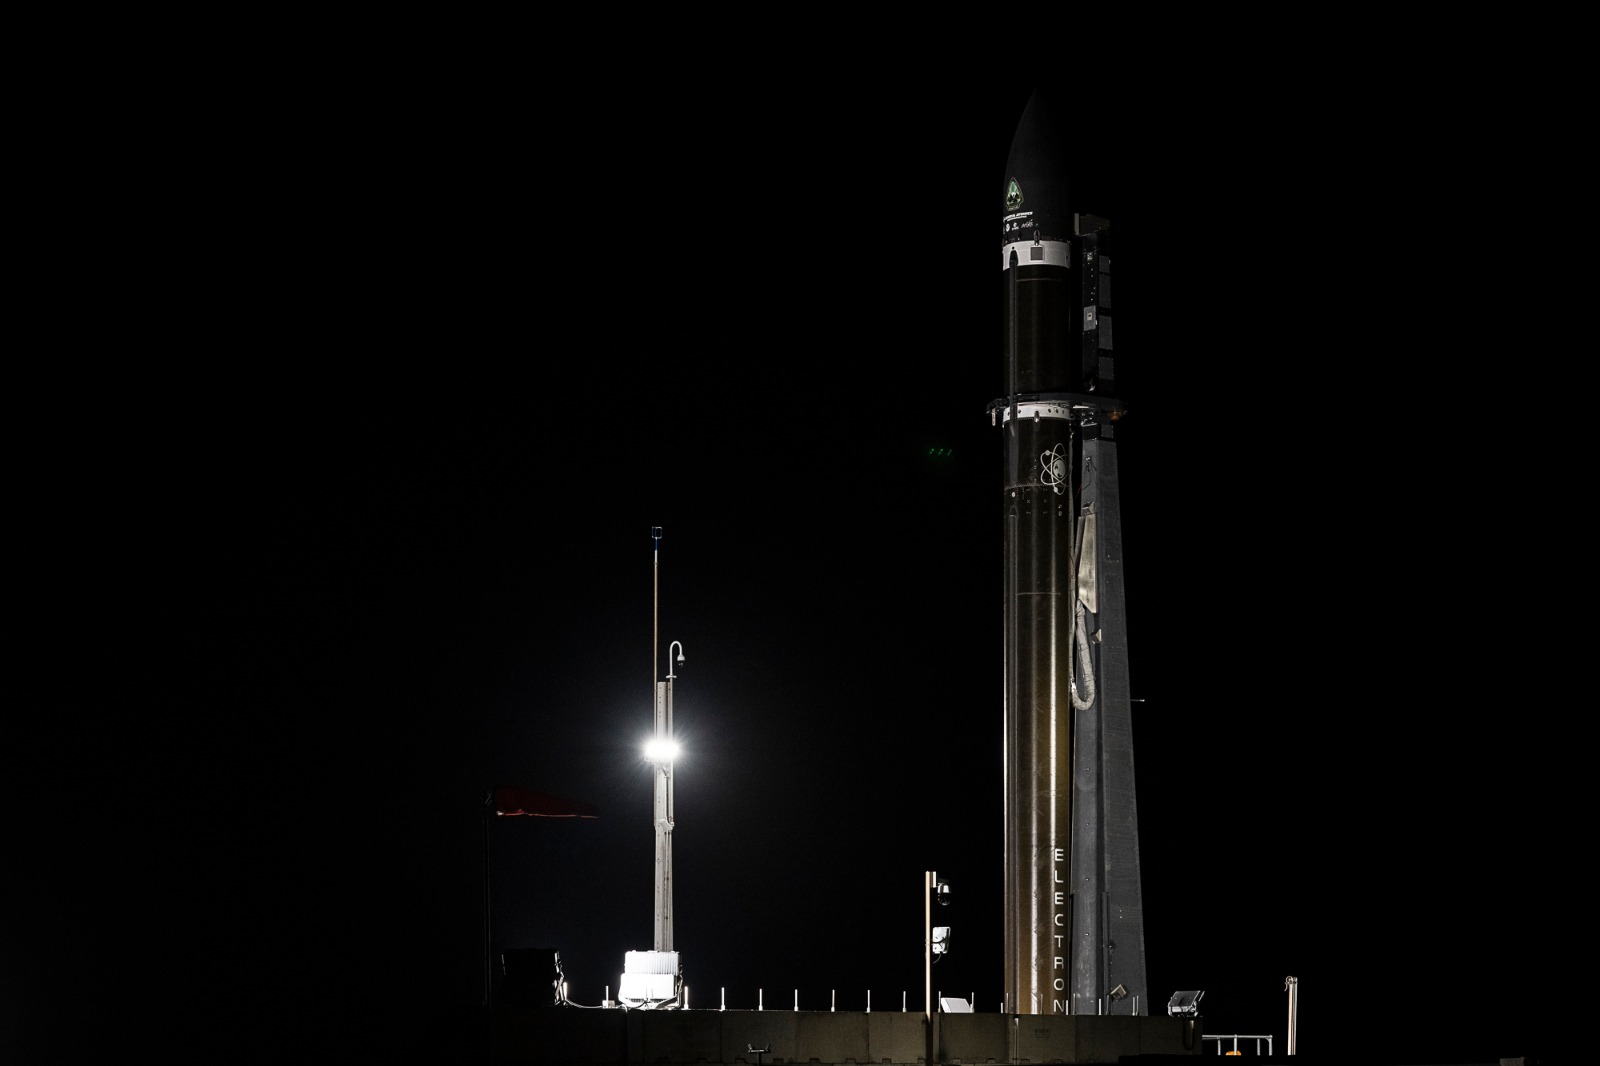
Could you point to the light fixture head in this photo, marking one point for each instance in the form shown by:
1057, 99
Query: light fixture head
661, 750
1184, 1004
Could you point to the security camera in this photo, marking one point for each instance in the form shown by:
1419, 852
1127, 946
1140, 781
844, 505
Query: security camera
942, 894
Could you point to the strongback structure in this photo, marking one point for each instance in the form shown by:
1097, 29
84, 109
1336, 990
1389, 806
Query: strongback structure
1074, 922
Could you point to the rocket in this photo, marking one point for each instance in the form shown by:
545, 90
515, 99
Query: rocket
1074, 922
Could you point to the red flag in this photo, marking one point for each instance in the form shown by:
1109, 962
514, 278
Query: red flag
511, 800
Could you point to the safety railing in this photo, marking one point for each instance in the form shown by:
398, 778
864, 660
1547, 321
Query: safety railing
1233, 1042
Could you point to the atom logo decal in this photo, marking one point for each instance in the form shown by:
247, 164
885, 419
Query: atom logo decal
1053, 468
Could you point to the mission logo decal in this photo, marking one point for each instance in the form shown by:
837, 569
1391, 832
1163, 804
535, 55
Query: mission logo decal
1013, 195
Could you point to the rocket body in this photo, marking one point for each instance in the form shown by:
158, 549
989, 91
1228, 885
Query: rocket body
1073, 901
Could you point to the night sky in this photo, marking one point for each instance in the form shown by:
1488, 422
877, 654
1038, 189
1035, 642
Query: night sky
338, 514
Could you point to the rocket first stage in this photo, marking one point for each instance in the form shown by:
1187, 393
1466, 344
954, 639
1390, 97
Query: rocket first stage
1074, 919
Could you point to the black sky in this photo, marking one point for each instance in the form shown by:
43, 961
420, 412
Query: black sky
343, 517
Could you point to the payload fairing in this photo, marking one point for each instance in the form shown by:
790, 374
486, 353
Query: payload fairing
1074, 921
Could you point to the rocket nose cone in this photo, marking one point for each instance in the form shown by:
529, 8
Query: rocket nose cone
1036, 178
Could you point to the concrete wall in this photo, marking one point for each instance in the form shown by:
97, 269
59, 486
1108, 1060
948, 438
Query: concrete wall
544, 1035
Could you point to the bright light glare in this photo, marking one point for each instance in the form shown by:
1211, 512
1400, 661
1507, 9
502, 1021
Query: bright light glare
661, 751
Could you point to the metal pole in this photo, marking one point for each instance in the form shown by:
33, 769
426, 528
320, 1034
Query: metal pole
667, 874
927, 945
657, 809
663, 842
488, 952
1292, 985
927, 960
655, 607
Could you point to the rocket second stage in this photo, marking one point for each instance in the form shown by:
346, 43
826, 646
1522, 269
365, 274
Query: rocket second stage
1074, 922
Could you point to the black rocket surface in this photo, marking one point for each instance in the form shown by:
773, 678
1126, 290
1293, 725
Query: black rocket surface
1074, 921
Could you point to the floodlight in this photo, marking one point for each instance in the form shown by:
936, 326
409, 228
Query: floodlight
660, 750
1119, 992
941, 939
1184, 1004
